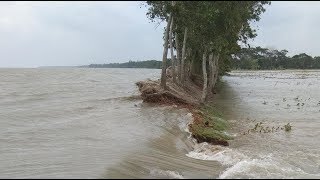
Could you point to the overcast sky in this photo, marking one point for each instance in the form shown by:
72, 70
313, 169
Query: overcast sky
70, 33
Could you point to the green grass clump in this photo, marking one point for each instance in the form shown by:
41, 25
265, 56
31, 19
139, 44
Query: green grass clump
210, 133
214, 117
211, 111
215, 127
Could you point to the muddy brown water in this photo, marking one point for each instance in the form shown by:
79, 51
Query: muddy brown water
79, 123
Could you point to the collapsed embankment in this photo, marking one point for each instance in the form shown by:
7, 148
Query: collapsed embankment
207, 126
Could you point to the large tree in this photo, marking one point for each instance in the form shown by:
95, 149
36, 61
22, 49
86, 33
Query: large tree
208, 31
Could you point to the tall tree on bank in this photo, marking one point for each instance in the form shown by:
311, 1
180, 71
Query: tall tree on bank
206, 29
159, 9
204, 72
173, 59
165, 54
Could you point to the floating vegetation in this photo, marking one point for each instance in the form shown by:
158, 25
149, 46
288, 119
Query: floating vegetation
258, 128
287, 127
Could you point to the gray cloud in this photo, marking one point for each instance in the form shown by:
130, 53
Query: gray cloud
68, 34
77, 33
292, 26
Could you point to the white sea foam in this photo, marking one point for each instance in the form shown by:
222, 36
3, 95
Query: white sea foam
241, 165
245, 167
266, 167
167, 173
224, 155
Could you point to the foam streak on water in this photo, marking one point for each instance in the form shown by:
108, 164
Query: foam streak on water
166, 174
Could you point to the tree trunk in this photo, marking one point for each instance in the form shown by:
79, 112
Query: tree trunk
188, 65
183, 55
172, 54
205, 81
178, 60
211, 73
165, 54
196, 67
216, 74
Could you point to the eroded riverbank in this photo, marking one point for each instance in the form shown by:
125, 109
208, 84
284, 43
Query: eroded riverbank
207, 125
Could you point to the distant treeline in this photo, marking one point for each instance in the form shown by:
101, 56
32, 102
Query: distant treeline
151, 64
266, 59
247, 58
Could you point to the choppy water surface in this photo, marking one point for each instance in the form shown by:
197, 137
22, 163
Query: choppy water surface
79, 123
